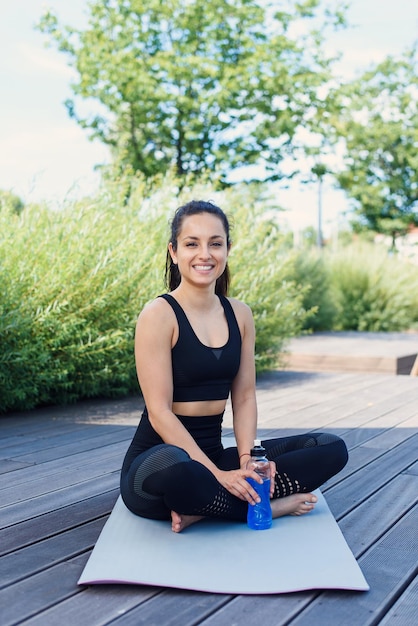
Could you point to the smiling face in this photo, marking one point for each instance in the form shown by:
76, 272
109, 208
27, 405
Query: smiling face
201, 249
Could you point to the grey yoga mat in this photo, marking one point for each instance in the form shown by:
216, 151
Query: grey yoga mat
297, 553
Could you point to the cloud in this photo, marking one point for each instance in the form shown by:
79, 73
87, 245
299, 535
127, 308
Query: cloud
49, 162
46, 60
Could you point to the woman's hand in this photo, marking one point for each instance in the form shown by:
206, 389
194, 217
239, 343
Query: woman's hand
272, 477
235, 481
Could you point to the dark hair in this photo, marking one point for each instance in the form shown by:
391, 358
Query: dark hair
172, 274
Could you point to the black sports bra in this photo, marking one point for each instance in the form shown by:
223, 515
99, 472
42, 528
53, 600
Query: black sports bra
201, 372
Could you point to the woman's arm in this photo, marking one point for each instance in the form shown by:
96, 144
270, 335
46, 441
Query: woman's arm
243, 393
243, 398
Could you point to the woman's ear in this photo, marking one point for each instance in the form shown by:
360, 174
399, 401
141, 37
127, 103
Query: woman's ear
172, 253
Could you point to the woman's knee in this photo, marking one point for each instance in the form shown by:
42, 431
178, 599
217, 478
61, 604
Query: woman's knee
338, 447
334, 447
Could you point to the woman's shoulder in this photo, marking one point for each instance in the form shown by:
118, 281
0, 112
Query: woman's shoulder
241, 309
156, 312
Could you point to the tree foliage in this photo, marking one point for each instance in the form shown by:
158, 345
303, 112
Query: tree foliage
203, 86
10, 201
379, 123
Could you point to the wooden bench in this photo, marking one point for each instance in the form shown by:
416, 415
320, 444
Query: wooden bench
59, 476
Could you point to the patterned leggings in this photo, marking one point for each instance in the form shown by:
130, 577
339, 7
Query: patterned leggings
165, 478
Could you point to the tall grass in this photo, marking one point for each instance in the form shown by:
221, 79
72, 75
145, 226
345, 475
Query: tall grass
73, 281
360, 287
374, 290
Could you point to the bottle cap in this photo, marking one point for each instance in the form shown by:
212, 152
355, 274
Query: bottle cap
258, 449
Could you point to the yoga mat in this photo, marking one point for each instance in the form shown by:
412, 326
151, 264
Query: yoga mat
297, 553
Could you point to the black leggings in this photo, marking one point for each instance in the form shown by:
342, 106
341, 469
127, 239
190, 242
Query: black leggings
165, 478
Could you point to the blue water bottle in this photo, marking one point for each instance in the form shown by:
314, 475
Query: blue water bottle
259, 514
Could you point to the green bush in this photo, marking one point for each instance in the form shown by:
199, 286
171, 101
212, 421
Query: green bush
320, 297
359, 287
374, 291
74, 280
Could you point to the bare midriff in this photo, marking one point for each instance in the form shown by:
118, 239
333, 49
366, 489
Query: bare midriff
199, 408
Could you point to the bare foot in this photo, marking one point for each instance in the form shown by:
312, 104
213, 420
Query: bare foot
297, 504
180, 522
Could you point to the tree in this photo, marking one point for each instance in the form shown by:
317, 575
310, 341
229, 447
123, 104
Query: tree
380, 127
212, 85
11, 201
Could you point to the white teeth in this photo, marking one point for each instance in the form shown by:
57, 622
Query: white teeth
203, 267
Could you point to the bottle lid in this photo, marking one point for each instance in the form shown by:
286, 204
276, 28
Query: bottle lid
258, 449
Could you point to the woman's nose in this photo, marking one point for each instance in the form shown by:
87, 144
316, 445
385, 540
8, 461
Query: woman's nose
205, 252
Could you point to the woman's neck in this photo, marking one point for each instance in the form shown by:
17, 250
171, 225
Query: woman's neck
196, 299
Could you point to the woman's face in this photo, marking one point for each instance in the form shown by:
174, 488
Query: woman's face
202, 250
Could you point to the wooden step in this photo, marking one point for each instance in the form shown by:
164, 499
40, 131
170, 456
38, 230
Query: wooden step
389, 353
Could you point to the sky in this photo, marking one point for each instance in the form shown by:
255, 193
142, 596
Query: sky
46, 156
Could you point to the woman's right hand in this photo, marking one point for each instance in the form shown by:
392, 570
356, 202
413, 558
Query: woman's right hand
235, 481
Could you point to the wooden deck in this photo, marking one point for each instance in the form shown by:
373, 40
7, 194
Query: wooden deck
59, 474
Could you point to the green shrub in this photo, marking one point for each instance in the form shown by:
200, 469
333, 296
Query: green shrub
73, 281
375, 291
313, 272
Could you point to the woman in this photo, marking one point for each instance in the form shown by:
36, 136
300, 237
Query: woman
194, 347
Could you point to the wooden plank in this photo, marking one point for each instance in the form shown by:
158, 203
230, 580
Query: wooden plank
412, 470
78, 475
376, 406
282, 390
373, 518
41, 433
54, 522
345, 496
32, 559
34, 425
7, 466
174, 607
49, 469
375, 428
96, 411
59, 446
404, 611
354, 408
102, 605
41, 505
394, 436
269, 610
361, 455
37, 593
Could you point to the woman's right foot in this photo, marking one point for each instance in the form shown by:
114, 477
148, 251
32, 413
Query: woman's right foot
297, 504
180, 522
